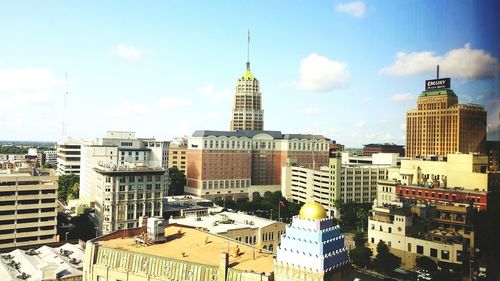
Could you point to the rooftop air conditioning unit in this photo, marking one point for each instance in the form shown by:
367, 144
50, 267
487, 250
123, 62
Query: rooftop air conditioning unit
156, 230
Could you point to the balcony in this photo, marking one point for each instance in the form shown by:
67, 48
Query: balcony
36, 233
35, 242
36, 215
36, 206
383, 219
7, 236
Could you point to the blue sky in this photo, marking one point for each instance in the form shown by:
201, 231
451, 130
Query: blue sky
346, 69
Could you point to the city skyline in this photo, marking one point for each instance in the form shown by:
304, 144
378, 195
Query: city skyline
348, 70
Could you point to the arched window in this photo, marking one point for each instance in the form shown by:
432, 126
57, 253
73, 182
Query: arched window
270, 248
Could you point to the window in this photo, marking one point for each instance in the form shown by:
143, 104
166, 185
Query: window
390, 230
373, 240
434, 253
445, 255
420, 249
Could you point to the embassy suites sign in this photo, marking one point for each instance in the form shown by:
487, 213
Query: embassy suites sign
437, 84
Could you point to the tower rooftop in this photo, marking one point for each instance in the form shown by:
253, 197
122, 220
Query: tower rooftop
247, 75
312, 210
444, 92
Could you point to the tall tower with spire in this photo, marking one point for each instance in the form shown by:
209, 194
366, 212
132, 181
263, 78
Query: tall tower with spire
247, 113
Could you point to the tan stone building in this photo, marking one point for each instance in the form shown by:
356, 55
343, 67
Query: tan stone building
187, 254
440, 125
177, 156
247, 112
27, 208
406, 236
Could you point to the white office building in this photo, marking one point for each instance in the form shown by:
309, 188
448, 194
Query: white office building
123, 178
68, 157
341, 180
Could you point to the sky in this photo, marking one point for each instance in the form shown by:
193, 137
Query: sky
348, 70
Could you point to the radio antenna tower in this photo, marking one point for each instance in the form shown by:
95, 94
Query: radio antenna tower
63, 133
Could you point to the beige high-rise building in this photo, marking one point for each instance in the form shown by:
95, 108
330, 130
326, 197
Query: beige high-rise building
440, 125
27, 207
247, 111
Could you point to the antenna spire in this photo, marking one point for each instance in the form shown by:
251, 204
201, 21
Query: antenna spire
437, 72
248, 51
65, 106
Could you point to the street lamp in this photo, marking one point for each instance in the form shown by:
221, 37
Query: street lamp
66, 234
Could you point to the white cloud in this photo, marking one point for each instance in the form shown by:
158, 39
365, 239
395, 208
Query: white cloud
127, 52
360, 124
213, 115
209, 91
320, 74
27, 79
206, 90
127, 109
221, 95
366, 100
355, 8
312, 110
404, 97
23, 100
171, 102
462, 62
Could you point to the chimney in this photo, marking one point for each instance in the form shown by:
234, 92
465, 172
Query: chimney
223, 265
144, 228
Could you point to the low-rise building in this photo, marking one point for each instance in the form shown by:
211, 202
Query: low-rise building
372, 148
392, 192
27, 207
408, 236
44, 263
468, 171
183, 253
241, 227
186, 205
50, 158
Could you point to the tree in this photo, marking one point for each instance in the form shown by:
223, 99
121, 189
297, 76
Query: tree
73, 192
359, 238
268, 194
361, 256
65, 183
176, 181
362, 215
385, 261
229, 203
426, 263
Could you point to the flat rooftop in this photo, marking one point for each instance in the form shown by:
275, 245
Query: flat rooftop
214, 225
192, 242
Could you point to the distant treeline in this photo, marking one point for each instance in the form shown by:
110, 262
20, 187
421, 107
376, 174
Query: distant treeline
12, 149
28, 143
